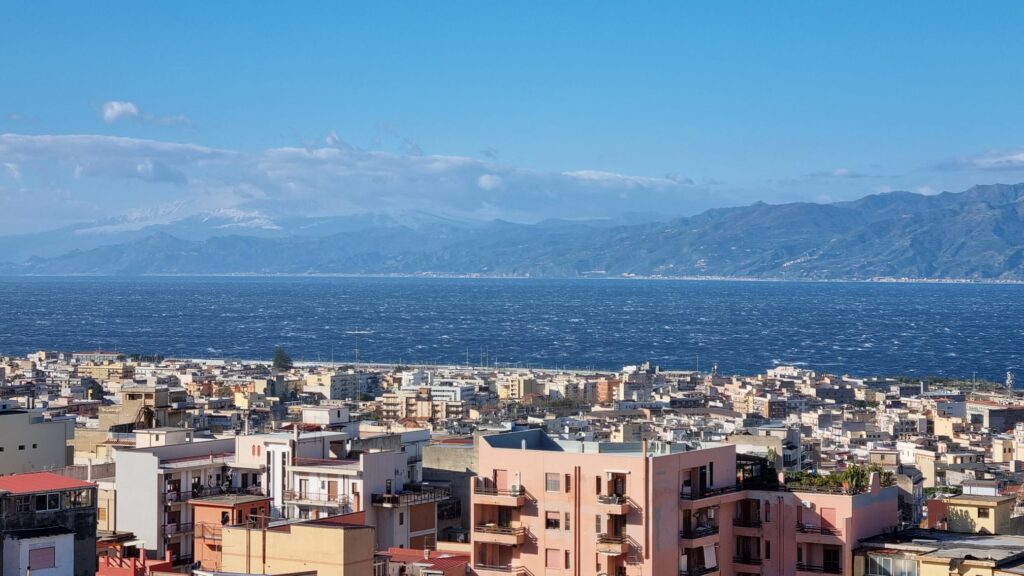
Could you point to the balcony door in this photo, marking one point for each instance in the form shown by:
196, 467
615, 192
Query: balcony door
332, 490
501, 479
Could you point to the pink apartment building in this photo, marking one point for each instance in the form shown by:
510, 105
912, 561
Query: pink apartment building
543, 506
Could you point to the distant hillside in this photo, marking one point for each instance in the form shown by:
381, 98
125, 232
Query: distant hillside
975, 234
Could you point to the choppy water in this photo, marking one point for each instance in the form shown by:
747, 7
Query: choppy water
856, 328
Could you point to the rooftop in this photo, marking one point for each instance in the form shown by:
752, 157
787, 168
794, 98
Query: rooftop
952, 545
40, 482
979, 499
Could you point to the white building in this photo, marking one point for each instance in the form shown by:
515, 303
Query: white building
31, 441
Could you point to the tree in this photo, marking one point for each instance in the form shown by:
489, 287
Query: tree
282, 361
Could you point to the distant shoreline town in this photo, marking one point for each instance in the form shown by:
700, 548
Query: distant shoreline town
585, 276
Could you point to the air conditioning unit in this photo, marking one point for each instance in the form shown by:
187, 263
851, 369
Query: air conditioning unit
516, 488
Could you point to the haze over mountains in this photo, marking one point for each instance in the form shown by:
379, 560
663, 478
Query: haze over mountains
976, 234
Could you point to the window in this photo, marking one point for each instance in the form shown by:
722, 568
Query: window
80, 498
21, 504
598, 482
597, 524
890, 566
551, 482
566, 520
42, 558
711, 473
767, 549
551, 557
225, 517
34, 446
568, 482
568, 565
551, 521
401, 518
767, 511
982, 512
48, 502
21, 447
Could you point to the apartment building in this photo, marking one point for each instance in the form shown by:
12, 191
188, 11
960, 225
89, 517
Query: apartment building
333, 546
31, 441
213, 513
155, 482
315, 475
47, 525
544, 506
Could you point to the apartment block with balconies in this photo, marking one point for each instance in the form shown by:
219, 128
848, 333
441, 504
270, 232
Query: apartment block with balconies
545, 506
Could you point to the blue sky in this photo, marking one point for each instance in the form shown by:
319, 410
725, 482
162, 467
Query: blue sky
521, 110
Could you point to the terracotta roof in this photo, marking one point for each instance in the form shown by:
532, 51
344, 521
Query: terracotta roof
40, 482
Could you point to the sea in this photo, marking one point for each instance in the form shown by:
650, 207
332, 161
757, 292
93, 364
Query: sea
742, 327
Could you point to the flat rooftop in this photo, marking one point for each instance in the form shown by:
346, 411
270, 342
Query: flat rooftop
941, 544
536, 439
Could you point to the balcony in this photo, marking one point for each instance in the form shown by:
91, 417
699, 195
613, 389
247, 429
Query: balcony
707, 492
693, 533
812, 529
414, 495
831, 568
317, 499
498, 569
177, 528
502, 535
499, 497
749, 560
699, 571
612, 545
746, 522
613, 504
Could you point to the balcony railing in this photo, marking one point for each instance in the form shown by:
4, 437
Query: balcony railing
811, 529
698, 532
746, 523
612, 499
504, 568
698, 571
752, 560
323, 498
422, 495
175, 496
175, 528
205, 531
824, 569
610, 539
489, 491
505, 530
707, 492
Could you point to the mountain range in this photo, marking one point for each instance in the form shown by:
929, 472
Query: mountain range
974, 234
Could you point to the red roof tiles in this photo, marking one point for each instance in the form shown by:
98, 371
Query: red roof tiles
40, 482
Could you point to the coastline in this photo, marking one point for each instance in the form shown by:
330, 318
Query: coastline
625, 277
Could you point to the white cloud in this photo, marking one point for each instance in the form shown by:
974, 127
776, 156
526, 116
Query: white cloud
12, 170
1004, 160
116, 174
488, 181
115, 110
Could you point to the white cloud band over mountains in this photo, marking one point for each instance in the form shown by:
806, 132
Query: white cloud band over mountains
89, 176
